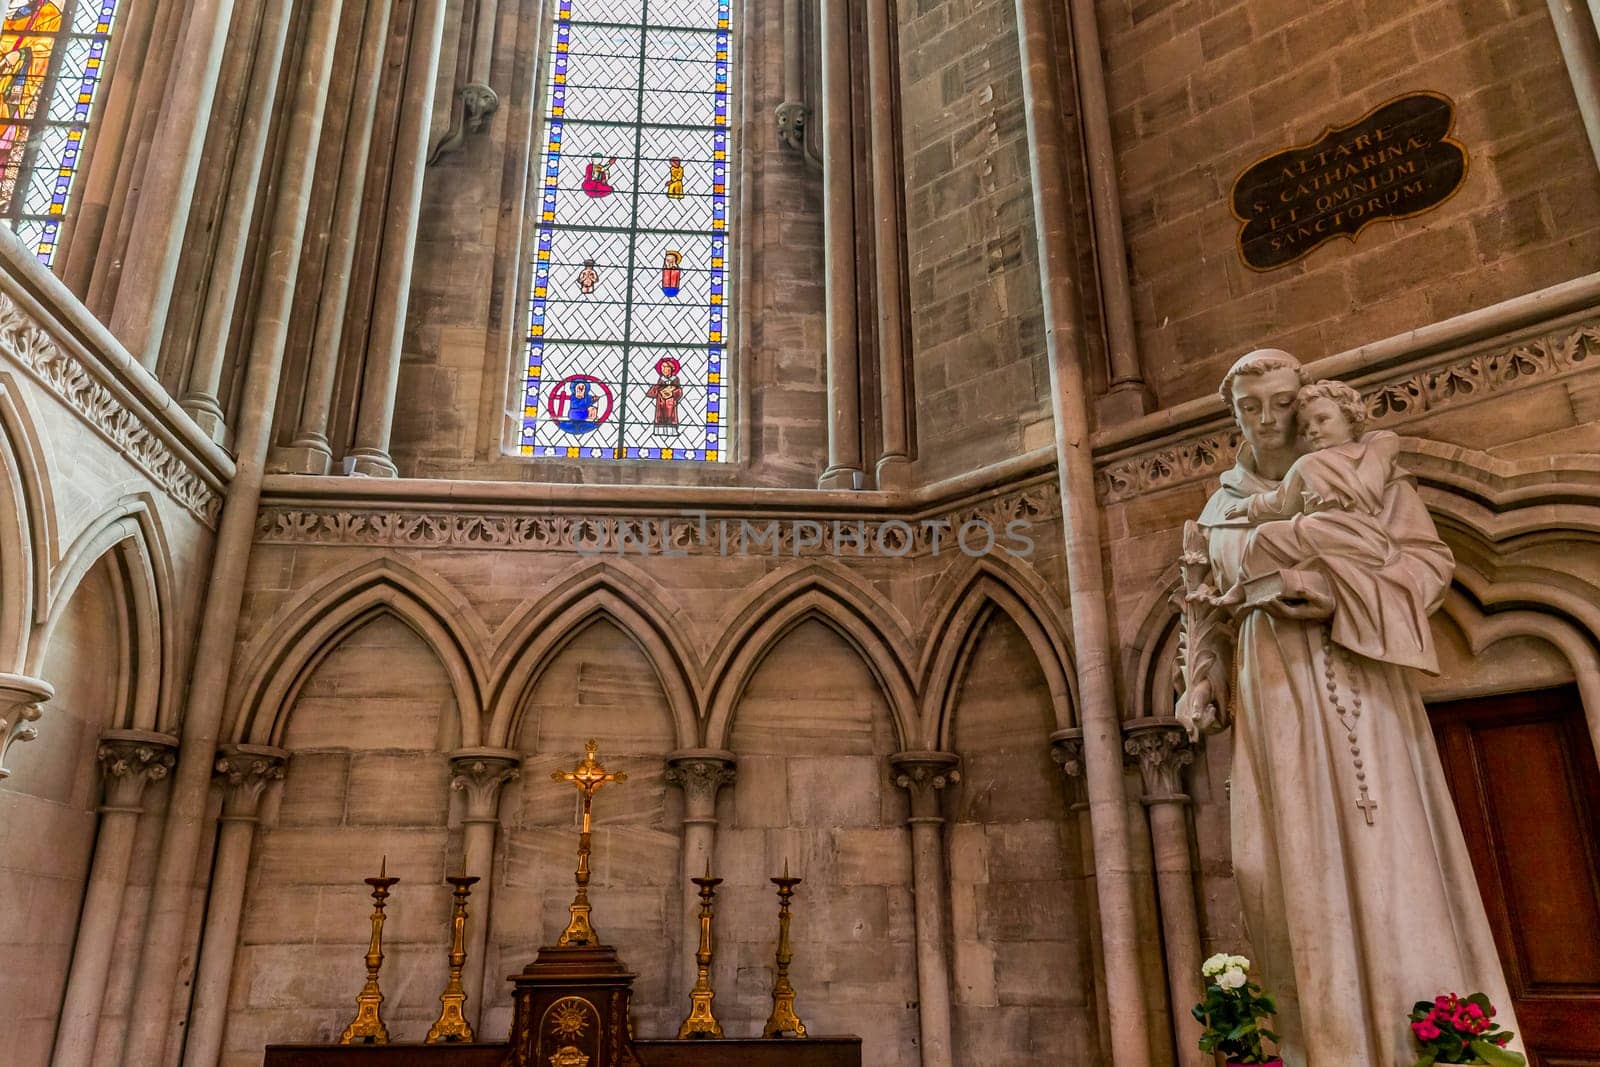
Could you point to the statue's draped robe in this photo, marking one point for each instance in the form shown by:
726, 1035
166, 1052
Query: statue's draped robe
1350, 924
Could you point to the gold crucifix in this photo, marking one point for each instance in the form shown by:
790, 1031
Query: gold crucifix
588, 776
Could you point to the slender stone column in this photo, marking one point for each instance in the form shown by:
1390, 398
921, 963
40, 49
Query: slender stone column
151, 260
894, 456
1066, 748
310, 452
20, 697
1127, 396
792, 112
924, 775
1580, 47
700, 773
129, 759
839, 252
375, 417
201, 400
478, 774
1081, 521
244, 772
1160, 747
219, 623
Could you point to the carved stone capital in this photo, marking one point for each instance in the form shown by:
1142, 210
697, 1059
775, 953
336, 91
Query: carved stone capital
130, 759
478, 773
924, 775
245, 771
792, 116
20, 697
1160, 746
1066, 748
700, 773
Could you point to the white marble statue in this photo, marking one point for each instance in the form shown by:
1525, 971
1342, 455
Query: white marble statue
1358, 892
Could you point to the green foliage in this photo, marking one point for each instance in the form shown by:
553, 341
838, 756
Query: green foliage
1231, 1018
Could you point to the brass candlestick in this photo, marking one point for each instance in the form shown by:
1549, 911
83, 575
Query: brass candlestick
701, 1022
588, 777
783, 1022
367, 1027
452, 1023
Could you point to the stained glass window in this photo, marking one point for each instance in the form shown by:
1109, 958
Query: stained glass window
627, 337
52, 53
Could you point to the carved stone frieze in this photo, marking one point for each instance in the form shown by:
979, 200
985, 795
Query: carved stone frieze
1160, 747
130, 760
479, 774
1388, 403
245, 771
978, 529
26, 343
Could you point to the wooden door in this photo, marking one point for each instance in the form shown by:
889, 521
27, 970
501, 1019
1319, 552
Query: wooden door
1523, 773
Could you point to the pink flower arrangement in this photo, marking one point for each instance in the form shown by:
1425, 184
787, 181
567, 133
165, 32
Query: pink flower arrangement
1456, 1029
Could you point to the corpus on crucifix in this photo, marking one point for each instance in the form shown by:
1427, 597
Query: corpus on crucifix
588, 776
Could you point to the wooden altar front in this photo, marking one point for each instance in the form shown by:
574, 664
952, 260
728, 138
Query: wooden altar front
733, 1052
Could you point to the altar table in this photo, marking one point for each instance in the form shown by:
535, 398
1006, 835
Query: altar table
751, 1052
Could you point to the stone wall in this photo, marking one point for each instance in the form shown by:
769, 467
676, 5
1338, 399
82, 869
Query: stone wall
1199, 90
976, 321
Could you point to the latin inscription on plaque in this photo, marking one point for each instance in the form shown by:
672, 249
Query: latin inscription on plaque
1395, 161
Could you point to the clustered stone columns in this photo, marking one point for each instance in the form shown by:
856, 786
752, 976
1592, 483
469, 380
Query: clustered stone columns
839, 252
701, 773
1066, 749
924, 775
129, 760
479, 774
244, 772
1160, 747
202, 400
20, 697
375, 417
893, 469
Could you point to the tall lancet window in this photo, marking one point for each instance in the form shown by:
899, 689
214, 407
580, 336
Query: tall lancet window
52, 53
627, 319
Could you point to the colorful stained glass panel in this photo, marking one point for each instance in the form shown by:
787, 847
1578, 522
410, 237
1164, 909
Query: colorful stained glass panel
52, 54
627, 336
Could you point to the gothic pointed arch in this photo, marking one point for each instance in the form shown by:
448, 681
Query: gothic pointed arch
964, 602
130, 534
838, 602
607, 590
305, 633
27, 526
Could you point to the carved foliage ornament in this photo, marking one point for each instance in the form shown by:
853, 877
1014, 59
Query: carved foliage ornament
131, 759
25, 342
689, 533
20, 700
1388, 403
245, 772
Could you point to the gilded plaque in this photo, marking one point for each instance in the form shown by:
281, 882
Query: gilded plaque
1395, 161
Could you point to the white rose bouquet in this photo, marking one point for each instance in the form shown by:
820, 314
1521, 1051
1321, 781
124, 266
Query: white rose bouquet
1232, 1010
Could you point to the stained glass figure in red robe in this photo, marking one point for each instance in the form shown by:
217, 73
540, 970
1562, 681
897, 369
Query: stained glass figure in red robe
666, 392
671, 273
597, 177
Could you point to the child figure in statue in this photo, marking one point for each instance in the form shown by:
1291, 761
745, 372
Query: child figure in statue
1330, 502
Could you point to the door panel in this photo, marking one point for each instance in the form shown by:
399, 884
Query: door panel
1526, 783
